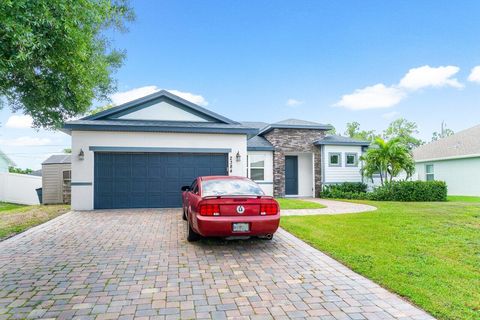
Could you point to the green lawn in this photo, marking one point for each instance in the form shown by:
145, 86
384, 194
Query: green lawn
290, 203
463, 198
16, 218
426, 252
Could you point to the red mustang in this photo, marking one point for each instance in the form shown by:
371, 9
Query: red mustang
225, 206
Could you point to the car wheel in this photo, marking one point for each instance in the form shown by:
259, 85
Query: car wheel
184, 216
191, 235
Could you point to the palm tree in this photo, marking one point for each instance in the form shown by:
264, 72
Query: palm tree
389, 159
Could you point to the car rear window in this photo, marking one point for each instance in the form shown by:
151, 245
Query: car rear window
230, 187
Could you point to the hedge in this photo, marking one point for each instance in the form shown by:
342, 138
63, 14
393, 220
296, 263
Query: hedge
393, 191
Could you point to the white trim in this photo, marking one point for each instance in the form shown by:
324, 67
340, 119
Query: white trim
476, 155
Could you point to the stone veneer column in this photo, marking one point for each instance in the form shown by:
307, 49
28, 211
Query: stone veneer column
294, 140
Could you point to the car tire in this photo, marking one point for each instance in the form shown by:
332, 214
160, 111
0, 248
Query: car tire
184, 216
191, 235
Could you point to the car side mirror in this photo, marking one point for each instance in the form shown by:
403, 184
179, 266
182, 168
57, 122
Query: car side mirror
185, 188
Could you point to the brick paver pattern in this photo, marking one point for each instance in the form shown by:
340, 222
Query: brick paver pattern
127, 264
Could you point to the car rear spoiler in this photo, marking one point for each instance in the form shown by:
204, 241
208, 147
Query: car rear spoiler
238, 196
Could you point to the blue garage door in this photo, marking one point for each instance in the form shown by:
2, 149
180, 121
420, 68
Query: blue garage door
149, 180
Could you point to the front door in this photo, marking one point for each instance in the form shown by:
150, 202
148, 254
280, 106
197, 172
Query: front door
291, 175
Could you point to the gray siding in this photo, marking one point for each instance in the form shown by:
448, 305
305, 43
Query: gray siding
52, 182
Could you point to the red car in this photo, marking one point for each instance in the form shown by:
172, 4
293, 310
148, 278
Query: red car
226, 206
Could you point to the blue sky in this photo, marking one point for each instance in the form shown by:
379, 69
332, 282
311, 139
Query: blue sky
325, 61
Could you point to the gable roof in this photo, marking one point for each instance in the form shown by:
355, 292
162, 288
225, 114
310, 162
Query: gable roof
109, 120
295, 124
341, 141
58, 159
462, 144
135, 104
7, 159
259, 143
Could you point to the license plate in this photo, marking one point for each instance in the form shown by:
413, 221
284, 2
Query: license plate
241, 227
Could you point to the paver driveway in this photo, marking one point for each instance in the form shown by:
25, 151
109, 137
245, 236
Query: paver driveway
126, 264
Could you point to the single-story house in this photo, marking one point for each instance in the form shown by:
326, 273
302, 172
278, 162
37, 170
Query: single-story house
454, 159
5, 162
56, 179
139, 154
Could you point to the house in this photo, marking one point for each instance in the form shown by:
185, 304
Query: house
139, 154
56, 178
5, 162
454, 159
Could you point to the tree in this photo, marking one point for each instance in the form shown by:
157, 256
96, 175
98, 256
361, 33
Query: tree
55, 58
404, 131
19, 170
353, 131
388, 159
444, 132
99, 109
332, 131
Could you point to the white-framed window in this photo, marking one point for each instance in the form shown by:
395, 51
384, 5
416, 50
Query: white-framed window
351, 159
334, 159
256, 167
429, 172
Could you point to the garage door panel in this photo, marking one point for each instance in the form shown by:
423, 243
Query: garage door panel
149, 180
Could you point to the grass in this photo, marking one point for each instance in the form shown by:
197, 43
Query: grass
463, 198
289, 203
16, 218
426, 252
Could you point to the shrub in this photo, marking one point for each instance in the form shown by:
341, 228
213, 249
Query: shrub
411, 191
393, 191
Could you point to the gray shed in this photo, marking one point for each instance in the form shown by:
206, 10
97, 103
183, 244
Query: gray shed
56, 179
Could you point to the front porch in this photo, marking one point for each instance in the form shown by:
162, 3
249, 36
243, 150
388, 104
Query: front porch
299, 174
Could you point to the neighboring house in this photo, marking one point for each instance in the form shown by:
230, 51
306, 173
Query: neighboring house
56, 178
139, 154
5, 162
454, 159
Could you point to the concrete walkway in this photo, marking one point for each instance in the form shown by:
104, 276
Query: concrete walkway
333, 207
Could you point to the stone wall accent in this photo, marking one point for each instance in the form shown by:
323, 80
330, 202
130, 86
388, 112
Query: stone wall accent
294, 140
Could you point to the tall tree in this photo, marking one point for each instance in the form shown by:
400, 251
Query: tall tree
404, 131
353, 131
55, 58
388, 159
444, 132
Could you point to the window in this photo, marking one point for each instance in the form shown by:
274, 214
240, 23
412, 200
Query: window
194, 187
429, 174
230, 187
335, 159
351, 159
256, 167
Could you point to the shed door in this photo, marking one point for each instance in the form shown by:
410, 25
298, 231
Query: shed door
149, 180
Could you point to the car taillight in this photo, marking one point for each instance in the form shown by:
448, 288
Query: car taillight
209, 210
268, 209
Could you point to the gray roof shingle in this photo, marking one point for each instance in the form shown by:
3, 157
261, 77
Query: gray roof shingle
295, 124
461, 144
157, 126
58, 159
259, 143
341, 140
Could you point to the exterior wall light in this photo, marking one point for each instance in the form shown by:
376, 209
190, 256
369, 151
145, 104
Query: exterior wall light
81, 155
238, 156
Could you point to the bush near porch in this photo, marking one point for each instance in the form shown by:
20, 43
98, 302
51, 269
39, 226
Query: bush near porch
393, 191
424, 251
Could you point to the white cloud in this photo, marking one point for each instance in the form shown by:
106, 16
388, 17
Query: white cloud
293, 102
195, 98
26, 142
126, 96
376, 96
390, 115
475, 75
19, 122
426, 76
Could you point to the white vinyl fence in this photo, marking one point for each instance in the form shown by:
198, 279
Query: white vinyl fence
19, 188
